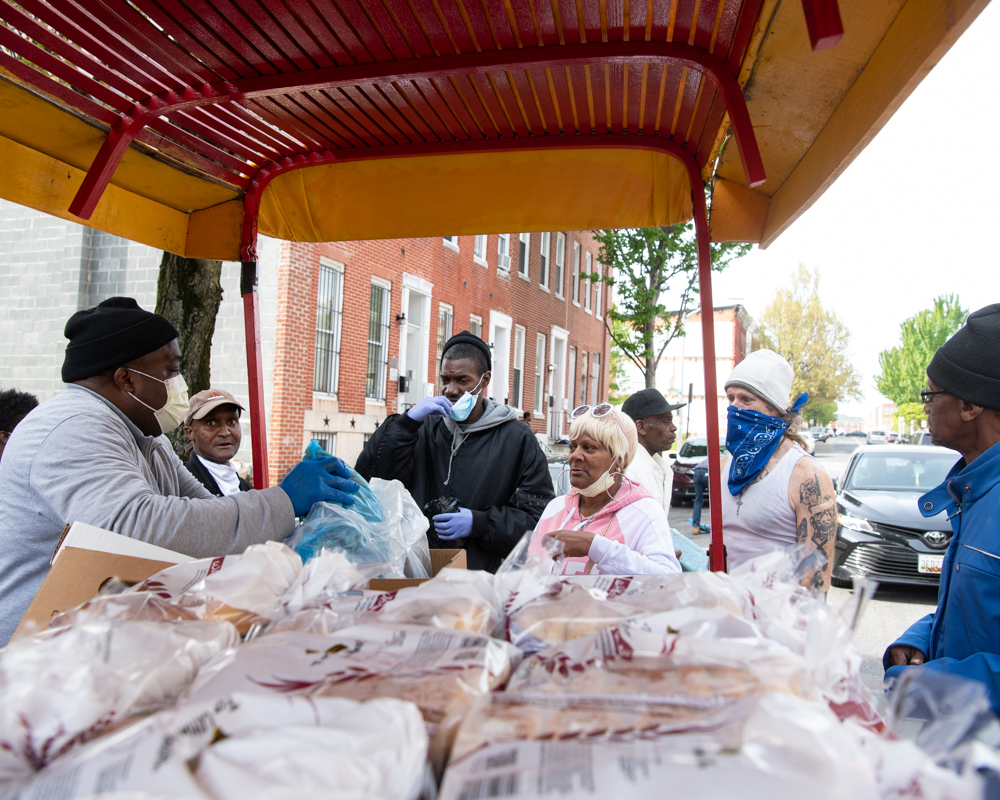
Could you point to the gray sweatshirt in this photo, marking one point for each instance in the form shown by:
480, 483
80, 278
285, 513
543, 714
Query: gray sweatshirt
78, 458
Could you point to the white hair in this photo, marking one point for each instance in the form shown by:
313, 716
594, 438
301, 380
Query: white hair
615, 430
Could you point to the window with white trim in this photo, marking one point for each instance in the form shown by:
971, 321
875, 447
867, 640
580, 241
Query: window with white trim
445, 316
476, 325
595, 379
576, 273
522, 254
329, 315
540, 374
517, 390
599, 292
479, 249
503, 252
451, 242
378, 340
584, 377
560, 263
543, 274
325, 439
586, 285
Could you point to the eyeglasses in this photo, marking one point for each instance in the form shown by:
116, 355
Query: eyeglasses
597, 412
926, 395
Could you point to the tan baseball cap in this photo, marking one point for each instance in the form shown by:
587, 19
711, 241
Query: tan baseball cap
204, 402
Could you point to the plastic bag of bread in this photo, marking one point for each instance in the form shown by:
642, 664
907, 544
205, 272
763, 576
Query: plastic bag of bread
134, 606
774, 747
242, 746
64, 686
685, 654
457, 599
432, 667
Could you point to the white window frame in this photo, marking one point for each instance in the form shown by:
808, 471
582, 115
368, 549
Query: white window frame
503, 253
545, 249
335, 331
599, 292
584, 377
576, 274
517, 390
444, 336
479, 249
560, 264
451, 242
541, 373
330, 445
379, 387
595, 378
586, 297
524, 245
474, 320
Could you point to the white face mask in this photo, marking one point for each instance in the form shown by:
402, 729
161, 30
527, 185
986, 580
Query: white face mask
177, 406
602, 484
463, 406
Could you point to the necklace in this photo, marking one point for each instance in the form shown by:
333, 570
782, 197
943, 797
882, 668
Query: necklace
739, 499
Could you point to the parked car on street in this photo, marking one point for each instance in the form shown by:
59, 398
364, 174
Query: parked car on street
878, 436
690, 453
809, 440
921, 437
858, 434
820, 434
558, 462
881, 533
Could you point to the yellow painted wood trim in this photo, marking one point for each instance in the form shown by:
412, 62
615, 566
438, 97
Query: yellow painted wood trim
921, 34
215, 232
738, 213
38, 181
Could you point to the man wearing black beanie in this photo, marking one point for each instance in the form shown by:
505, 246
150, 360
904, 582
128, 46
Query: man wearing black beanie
95, 453
461, 445
962, 403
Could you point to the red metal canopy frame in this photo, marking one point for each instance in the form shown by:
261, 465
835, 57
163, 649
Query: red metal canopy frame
241, 91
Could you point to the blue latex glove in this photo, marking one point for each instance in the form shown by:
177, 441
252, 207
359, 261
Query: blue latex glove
318, 480
428, 407
450, 527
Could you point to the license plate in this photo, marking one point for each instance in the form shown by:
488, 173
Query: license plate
930, 565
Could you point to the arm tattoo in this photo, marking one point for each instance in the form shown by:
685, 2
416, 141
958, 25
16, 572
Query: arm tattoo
803, 531
821, 518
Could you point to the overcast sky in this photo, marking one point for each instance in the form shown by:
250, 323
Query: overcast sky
914, 216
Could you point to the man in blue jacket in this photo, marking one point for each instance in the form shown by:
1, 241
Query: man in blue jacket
962, 636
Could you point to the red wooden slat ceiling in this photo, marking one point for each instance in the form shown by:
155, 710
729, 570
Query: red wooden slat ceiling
106, 56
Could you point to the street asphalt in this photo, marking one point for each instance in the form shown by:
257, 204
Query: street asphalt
892, 609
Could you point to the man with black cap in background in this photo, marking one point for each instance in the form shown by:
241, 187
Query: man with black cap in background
654, 424
962, 403
95, 453
462, 445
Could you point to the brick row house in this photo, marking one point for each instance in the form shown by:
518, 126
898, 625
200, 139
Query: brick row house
361, 326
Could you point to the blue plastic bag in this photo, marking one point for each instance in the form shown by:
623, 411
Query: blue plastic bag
693, 556
365, 502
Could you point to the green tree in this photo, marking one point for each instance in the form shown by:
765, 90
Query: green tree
617, 366
814, 341
909, 412
188, 293
645, 264
903, 367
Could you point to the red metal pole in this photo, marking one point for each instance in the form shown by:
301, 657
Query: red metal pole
255, 373
717, 550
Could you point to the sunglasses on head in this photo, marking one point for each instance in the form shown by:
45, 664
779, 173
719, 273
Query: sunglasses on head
597, 412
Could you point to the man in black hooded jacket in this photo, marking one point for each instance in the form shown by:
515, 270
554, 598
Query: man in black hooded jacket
486, 460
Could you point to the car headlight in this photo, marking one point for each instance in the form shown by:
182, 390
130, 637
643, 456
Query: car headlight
856, 523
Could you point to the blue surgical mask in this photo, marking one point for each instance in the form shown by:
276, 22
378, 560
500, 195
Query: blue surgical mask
463, 406
752, 438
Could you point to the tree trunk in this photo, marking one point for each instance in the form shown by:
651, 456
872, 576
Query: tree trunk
188, 293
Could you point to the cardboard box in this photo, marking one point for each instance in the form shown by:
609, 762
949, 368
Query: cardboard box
85, 558
440, 559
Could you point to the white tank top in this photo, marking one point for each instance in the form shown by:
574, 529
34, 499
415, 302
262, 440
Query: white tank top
762, 518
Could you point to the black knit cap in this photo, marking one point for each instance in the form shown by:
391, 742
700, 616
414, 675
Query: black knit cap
967, 365
470, 338
111, 334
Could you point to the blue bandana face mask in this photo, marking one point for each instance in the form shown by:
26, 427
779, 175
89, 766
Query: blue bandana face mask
464, 405
752, 438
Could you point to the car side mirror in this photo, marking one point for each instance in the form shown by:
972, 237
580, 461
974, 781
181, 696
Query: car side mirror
672, 455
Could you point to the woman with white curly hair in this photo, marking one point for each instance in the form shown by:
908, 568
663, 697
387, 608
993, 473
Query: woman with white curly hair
606, 523
778, 495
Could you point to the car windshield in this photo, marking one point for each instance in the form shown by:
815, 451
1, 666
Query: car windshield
693, 449
919, 472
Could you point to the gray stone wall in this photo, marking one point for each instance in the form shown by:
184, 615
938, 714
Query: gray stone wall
51, 268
